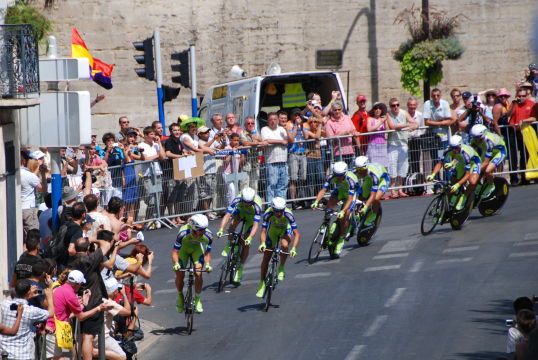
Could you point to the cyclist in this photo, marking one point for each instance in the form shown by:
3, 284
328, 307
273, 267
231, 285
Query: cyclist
346, 190
278, 224
193, 239
492, 150
464, 163
375, 183
247, 207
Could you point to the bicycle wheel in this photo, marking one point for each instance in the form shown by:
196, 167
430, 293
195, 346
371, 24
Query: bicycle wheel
189, 310
317, 244
235, 261
224, 274
433, 215
269, 281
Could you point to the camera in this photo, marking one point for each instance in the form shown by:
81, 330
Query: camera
115, 145
38, 292
13, 307
94, 178
141, 150
142, 287
510, 322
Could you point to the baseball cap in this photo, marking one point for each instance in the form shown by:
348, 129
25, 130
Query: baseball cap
68, 193
111, 285
361, 98
89, 219
316, 104
37, 155
526, 84
202, 129
131, 131
295, 111
466, 94
77, 277
25, 154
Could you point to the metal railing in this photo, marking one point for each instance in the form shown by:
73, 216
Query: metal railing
19, 61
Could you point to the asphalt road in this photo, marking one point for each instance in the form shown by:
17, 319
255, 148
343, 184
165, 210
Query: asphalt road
405, 296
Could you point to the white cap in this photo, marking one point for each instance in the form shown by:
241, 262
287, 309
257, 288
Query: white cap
111, 285
76, 277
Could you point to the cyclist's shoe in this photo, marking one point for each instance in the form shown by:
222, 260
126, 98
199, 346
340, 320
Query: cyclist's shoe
198, 304
238, 275
477, 189
180, 302
261, 289
488, 190
225, 250
339, 245
370, 219
281, 273
461, 202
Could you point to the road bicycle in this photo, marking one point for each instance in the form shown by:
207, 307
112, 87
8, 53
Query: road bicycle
366, 232
319, 243
233, 259
495, 201
271, 278
189, 303
442, 209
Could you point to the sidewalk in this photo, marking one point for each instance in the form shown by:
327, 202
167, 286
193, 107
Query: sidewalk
149, 337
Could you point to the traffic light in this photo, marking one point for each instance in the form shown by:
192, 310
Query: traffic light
146, 46
183, 68
170, 93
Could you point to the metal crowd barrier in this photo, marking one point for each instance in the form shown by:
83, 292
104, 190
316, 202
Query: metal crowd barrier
152, 194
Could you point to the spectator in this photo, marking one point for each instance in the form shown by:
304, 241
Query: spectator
217, 128
89, 264
22, 346
113, 349
133, 258
489, 104
231, 125
101, 222
250, 137
377, 145
207, 183
23, 267
114, 213
44, 218
524, 111
66, 304
112, 261
216, 121
518, 335
297, 133
438, 117
158, 129
456, 107
282, 118
471, 114
166, 166
10, 331
314, 155
124, 127
130, 189
69, 198
189, 142
402, 122
115, 159
360, 121
74, 231
276, 157
174, 150
501, 113
418, 143
134, 296
233, 164
151, 149
37, 280
30, 183
339, 124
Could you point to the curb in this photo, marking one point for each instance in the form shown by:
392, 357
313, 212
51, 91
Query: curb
149, 338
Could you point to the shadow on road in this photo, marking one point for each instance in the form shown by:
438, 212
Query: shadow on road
495, 313
482, 355
258, 307
179, 330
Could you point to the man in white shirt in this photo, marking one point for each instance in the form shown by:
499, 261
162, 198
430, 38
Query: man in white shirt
437, 115
30, 183
415, 141
151, 149
276, 157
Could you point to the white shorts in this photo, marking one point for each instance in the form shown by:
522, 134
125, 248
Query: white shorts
53, 350
398, 161
110, 344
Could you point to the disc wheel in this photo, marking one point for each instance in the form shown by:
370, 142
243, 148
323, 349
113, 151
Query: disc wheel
317, 244
433, 214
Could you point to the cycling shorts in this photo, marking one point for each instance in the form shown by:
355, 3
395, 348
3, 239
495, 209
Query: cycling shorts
499, 157
368, 187
274, 234
196, 250
475, 168
343, 197
248, 219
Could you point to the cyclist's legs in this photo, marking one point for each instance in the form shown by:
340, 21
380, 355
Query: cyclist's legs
233, 225
183, 255
473, 179
269, 242
198, 258
284, 245
246, 248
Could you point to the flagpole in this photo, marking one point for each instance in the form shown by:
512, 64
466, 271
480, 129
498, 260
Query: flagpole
159, 77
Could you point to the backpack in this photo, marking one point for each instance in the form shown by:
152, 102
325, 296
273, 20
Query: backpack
415, 179
55, 248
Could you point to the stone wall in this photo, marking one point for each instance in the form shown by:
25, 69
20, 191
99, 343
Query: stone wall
254, 33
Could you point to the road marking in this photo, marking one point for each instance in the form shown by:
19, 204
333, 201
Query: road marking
306, 276
525, 254
325, 262
376, 325
457, 249
449, 261
531, 236
250, 282
355, 352
416, 266
169, 281
166, 291
380, 268
251, 271
525, 243
399, 246
389, 256
394, 299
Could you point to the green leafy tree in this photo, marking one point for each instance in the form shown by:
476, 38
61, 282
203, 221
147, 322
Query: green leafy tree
23, 12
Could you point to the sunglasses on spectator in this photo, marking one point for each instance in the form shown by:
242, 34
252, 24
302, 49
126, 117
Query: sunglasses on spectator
125, 122
521, 96
491, 95
456, 95
249, 123
394, 105
337, 109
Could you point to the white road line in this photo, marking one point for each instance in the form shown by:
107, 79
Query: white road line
306, 276
165, 291
169, 281
380, 268
525, 243
458, 249
416, 266
389, 256
250, 282
525, 254
376, 325
325, 262
251, 271
394, 299
531, 236
355, 352
399, 246
450, 261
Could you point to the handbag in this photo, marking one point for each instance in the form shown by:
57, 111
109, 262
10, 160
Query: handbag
64, 334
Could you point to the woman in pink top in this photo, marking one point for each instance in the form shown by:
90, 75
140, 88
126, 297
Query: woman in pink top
377, 146
340, 124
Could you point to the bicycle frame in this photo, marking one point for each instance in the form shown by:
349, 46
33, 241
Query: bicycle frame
271, 278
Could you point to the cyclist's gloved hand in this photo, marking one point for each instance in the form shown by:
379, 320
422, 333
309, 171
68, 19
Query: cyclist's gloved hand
220, 232
454, 188
341, 214
293, 252
262, 247
176, 267
451, 164
208, 267
364, 210
314, 205
430, 177
248, 241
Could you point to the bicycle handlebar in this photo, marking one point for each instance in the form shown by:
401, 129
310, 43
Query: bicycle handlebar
193, 270
278, 251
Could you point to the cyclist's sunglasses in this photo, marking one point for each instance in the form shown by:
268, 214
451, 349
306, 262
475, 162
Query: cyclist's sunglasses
362, 168
197, 228
278, 211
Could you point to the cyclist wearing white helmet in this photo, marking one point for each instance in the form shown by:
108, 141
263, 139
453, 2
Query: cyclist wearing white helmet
345, 189
193, 240
374, 186
463, 165
278, 224
246, 207
492, 150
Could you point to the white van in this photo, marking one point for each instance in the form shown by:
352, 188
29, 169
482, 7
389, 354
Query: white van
260, 95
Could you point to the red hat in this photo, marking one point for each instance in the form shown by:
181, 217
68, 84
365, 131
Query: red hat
361, 98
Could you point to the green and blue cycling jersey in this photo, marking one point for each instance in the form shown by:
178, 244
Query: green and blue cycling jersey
466, 160
492, 148
188, 245
277, 226
377, 178
249, 213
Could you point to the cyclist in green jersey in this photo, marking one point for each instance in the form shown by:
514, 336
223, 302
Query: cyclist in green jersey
375, 184
463, 163
345, 183
492, 150
247, 207
278, 224
193, 240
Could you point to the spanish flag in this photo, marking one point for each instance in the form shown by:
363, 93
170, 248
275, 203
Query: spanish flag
101, 73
